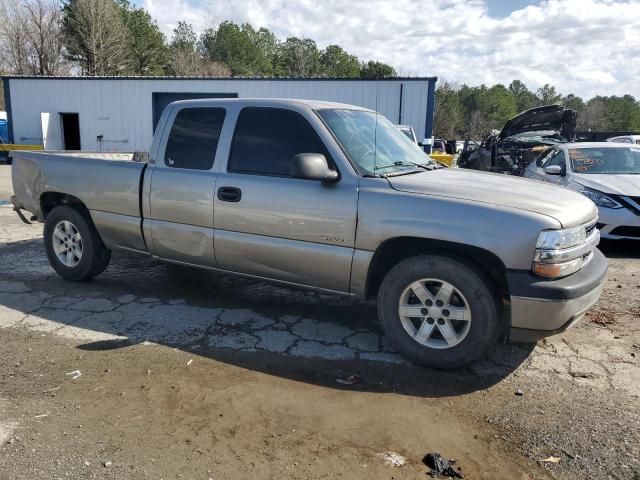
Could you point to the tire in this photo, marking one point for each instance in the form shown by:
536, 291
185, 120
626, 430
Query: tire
450, 340
88, 258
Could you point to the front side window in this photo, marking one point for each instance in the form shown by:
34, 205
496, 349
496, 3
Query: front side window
267, 139
193, 139
557, 159
372, 142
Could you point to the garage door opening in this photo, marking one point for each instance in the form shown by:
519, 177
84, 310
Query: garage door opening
70, 131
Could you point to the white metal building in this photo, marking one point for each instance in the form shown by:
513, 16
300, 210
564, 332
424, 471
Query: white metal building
120, 113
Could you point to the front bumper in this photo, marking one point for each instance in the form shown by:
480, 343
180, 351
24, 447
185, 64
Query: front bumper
540, 307
618, 223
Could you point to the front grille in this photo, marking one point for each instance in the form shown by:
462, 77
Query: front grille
590, 228
626, 231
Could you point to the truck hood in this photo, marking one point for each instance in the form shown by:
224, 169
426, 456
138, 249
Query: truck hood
627, 185
548, 117
566, 206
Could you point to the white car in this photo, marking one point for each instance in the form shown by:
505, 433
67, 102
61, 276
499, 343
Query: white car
606, 172
625, 139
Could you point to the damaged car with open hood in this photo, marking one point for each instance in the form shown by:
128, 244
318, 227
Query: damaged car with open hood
521, 139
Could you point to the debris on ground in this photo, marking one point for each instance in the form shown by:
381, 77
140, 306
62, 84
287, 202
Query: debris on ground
107, 464
601, 318
551, 459
350, 380
519, 393
393, 459
190, 362
74, 375
441, 466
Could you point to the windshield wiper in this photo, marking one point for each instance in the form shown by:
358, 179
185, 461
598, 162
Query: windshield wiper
406, 164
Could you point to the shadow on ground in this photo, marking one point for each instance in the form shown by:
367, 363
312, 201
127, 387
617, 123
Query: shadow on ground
304, 336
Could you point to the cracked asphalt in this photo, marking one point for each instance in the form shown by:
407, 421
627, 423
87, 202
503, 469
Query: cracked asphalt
246, 372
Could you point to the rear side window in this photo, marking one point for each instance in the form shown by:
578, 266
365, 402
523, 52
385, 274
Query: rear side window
194, 138
266, 140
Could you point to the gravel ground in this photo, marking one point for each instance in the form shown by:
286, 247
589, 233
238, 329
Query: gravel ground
189, 374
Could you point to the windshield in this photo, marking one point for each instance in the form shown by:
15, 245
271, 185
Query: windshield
620, 160
373, 142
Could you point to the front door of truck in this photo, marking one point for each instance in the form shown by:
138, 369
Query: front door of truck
271, 225
180, 217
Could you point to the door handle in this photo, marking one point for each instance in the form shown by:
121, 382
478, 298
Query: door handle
229, 194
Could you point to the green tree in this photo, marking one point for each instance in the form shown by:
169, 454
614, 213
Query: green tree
573, 102
247, 52
299, 57
147, 48
525, 99
186, 59
547, 95
336, 62
623, 113
499, 105
373, 69
448, 112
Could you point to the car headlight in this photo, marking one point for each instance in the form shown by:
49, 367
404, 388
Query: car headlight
599, 198
558, 239
562, 252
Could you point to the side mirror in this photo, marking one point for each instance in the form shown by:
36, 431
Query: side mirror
312, 166
553, 170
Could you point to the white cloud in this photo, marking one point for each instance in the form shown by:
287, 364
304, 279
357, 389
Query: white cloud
586, 47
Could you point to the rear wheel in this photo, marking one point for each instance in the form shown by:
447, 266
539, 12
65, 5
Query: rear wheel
73, 246
438, 311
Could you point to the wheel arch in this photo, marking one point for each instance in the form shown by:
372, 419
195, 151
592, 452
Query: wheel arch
487, 263
51, 200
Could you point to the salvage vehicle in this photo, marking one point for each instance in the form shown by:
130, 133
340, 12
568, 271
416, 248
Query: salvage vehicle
607, 173
330, 197
521, 139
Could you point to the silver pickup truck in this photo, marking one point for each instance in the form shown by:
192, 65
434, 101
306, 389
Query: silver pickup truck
331, 197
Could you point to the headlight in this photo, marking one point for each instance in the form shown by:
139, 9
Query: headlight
556, 239
562, 252
599, 198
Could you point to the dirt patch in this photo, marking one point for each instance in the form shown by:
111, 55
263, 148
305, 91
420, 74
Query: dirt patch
154, 412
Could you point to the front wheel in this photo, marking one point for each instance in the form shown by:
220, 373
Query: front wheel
73, 246
438, 311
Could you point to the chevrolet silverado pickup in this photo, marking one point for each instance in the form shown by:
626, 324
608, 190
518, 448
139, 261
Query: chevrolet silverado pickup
331, 197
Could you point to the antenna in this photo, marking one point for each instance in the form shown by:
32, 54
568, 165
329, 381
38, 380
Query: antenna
375, 131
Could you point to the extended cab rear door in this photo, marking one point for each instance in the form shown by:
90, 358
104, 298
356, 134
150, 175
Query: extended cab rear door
181, 187
271, 225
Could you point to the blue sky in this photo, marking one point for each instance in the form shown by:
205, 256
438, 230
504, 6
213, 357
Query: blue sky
502, 8
585, 47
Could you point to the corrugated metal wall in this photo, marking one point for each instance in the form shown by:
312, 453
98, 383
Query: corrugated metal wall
121, 109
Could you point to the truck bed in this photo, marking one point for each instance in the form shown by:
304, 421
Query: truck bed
107, 182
